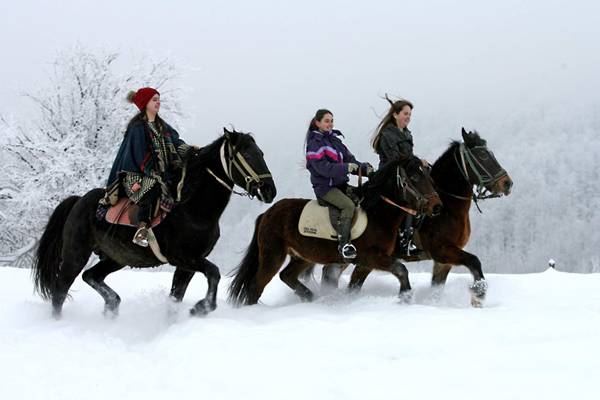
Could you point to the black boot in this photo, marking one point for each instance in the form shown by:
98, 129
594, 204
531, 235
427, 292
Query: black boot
405, 245
346, 249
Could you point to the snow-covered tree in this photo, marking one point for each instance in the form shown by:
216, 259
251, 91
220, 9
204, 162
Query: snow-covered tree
70, 146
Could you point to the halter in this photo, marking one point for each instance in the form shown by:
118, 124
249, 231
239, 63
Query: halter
484, 177
237, 160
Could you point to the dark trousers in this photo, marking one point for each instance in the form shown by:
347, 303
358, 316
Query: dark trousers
147, 203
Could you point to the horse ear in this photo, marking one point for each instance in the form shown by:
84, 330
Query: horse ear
226, 132
465, 134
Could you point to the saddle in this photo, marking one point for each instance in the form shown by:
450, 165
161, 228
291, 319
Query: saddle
319, 219
124, 212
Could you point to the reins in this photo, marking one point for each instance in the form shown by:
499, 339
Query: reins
406, 209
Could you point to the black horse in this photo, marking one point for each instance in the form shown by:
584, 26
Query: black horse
186, 236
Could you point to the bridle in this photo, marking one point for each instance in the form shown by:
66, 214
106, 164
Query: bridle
484, 177
232, 158
463, 157
402, 182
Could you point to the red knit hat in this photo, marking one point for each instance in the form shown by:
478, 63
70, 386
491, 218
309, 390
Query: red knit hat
142, 97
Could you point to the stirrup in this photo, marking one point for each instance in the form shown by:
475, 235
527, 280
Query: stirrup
410, 249
141, 237
348, 251
406, 247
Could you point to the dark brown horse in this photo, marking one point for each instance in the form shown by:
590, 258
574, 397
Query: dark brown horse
462, 166
276, 235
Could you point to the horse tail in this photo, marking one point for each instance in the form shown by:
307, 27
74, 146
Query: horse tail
46, 265
239, 291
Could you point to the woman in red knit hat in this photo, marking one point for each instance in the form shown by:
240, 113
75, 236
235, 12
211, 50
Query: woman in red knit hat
150, 151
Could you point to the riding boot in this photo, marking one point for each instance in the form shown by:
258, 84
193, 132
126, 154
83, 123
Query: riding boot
346, 249
405, 245
141, 235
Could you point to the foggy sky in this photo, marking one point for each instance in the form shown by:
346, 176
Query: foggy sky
266, 66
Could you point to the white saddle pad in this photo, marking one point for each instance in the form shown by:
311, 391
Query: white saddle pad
315, 222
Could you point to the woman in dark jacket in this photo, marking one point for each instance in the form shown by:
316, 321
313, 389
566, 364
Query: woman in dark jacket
329, 162
393, 142
149, 153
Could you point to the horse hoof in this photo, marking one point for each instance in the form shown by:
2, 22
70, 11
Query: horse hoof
194, 312
111, 312
436, 294
476, 302
479, 288
478, 291
306, 297
406, 297
202, 308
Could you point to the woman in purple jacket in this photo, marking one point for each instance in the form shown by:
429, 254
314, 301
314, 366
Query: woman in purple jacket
329, 163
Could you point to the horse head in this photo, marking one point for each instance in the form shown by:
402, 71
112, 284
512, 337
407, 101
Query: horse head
410, 188
480, 168
245, 164
241, 163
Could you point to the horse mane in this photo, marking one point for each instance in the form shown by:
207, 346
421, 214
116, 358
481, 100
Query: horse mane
202, 156
371, 190
196, 159
472, 140
448, 153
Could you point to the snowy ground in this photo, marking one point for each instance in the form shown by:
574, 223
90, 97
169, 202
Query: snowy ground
537, 337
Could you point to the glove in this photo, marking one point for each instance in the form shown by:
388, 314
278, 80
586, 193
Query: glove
369, 168
352, 168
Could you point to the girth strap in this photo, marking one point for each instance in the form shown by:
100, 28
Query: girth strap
153, 243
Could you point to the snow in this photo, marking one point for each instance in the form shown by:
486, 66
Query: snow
536, 337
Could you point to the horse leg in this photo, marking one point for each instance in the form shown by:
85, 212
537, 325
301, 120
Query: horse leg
70, 268
440, 273
95, 278
270, 258
456, 256
358, 277
331, 275
398, 269
209, 303
289, 275
438, 278
181, 280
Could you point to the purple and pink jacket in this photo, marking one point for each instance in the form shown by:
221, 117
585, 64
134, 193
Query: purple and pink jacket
327, 160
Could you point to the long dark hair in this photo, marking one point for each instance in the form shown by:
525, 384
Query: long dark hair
141, 117
395, 107
313, 126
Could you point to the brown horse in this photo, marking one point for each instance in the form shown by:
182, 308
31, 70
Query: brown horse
462, 166
276, 235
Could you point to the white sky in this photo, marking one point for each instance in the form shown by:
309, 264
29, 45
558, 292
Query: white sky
267, 65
